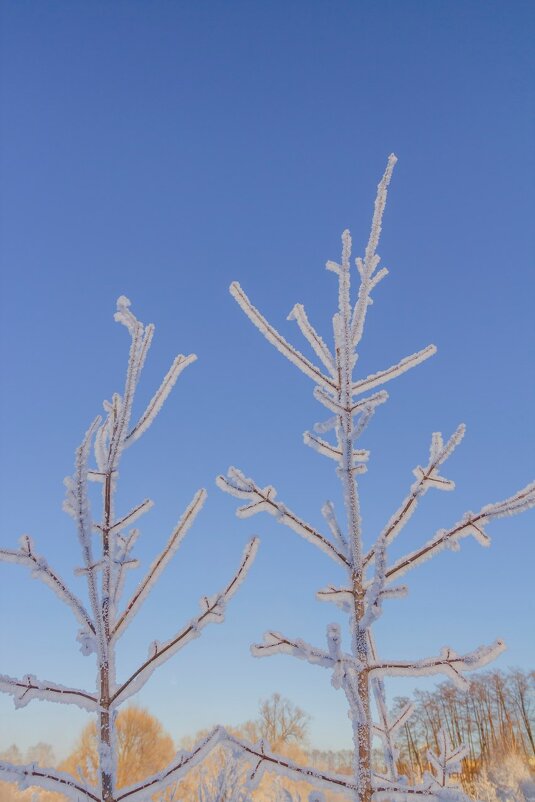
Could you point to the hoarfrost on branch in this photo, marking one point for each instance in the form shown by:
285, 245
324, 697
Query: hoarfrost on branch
360, 672
103, 569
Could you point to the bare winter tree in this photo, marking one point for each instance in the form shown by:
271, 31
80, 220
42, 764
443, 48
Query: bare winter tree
104, 621
351, 401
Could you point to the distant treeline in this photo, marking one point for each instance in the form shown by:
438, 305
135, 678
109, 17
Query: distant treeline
494, 717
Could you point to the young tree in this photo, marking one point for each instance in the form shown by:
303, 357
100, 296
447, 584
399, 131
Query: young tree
351, 401
104, 621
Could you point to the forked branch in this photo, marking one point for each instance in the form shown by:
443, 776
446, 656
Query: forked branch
160, 562
29, 687
40, 568
272, 335
47, 779
263, 499
471, 524
448, 662
212, 610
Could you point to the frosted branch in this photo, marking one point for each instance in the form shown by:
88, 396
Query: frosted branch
263, 500
379, 207
387, 728
375, 379
470, 524
272, 335
275, 643
212, 610
122, 561
330, 517
157, 567
265, 760
76, 504
29, 687
181, 764
371, 260
47, 779
41, 570
448, 759
374, 594
342, 597
334, 452
131, 517
262, 757
448, 662
157, 401
426, 478
300, 316
322, 446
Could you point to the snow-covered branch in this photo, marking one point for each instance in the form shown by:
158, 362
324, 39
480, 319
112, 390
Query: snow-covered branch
448, 662
265, 760
342, 597
157, 401
367, 266
263, 500
47, 779
275, 643
212, 610
181, 764
40, 569
322, 351
76, 504
376, 379
425, 478
470, 524
130, 517
272, 335
446, 762
29, 687
386, 728
157, 567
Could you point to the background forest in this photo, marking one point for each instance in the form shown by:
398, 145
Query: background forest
495, 717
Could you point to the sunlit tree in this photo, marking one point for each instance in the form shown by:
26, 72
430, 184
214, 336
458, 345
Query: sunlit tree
107, 555
369, 576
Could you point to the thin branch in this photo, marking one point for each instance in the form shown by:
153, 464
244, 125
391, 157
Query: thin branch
161, 561
42, 570
29, 687
371, 260
213, 610
448, 662
276, 339
375, 379
155, 404
275, 643
298, 314
426, 477
470, 524
48, 779
181, 764
77, 505
263, 499
133, 515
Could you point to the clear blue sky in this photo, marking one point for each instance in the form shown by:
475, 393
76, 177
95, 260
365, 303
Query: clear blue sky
163, 149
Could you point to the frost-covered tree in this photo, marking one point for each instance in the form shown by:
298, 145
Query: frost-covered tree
107, 554
351, 401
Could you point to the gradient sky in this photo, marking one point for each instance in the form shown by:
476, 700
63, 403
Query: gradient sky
161, 150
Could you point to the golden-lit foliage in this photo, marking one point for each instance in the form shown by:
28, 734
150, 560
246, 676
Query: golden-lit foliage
143, 748
494, 718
